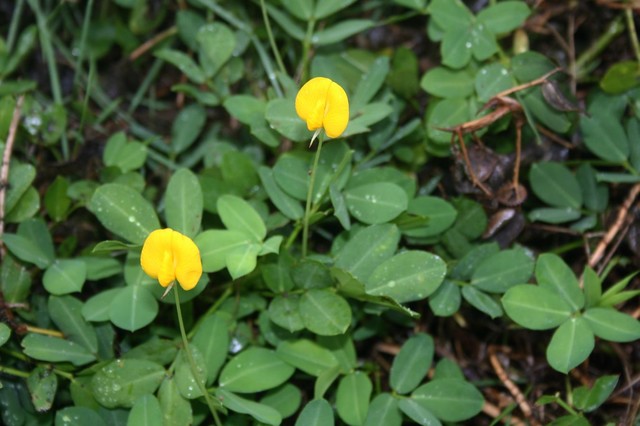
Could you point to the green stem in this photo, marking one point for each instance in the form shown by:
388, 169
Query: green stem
306, 48
307, 209
633, 35
194, 369
272, 40
14, 372
613, 30
83, 38
15, 22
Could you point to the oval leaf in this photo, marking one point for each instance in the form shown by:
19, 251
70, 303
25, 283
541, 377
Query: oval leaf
324, 312
254, 370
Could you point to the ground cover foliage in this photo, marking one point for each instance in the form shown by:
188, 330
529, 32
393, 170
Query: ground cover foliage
473, 235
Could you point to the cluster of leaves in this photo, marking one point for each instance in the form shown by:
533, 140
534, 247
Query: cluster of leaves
276, 335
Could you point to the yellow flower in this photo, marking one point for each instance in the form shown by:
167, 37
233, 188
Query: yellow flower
323, 104
169, 256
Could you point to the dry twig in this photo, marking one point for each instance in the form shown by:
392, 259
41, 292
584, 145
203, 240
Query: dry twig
511, 387
598, 253
4, 170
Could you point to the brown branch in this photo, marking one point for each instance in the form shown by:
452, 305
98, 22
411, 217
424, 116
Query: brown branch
4, 169
598, 253
511, 387
149, 44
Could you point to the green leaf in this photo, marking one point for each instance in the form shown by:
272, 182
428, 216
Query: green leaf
376, 203
456, 48
186, 127
307, 356
553, 274
411, 364
127, 156
183, 203
288, 206
554, 215
621, 77
450, 400
78, 416
42, 384
15, 280
482, 301
175, 409
286, 399
588, 399
339, 207
367, 249
5, 333
216, 43
184, 377
571, 344
370, 82
612, 325
534, 307
592, 287
21, 177
215, 245
133, 308
53, 349
446, 83
503, 270
383, 410
352, 397
302, 9
483, 41
327, 8
97, 307
65, 312
120, 383
556, 185
212, 340
32, 243
284, 311
65, 276
281, 115
316, 413
254, 370
261, 412
56, 200
325, 313
504, 17
594, 193
416, 411
340, 31
440, 214
146, 411
291, 173
123, 211
184, 63
450, 15
445, 301
605, 137
407, 276
238, 215
26, 207
491, 80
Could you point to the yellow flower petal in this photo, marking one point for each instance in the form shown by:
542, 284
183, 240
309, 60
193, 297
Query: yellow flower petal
322, 103
336, 116
188, 268
157, 243
167, 255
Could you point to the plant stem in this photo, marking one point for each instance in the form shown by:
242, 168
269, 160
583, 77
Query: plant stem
13, 372
613, 30
272, 40
307, 209
192, 364
306, 47
633, 35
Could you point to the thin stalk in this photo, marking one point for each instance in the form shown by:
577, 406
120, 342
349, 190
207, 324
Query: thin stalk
633, 35
307, 209
615, 28
306, 48
14, 372
83, 39
146, 83
47, 49
272, 40
87, 94
192, 364
15, 21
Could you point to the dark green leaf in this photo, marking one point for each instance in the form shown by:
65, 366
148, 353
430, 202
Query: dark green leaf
571, 344
411, 364
534, 307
